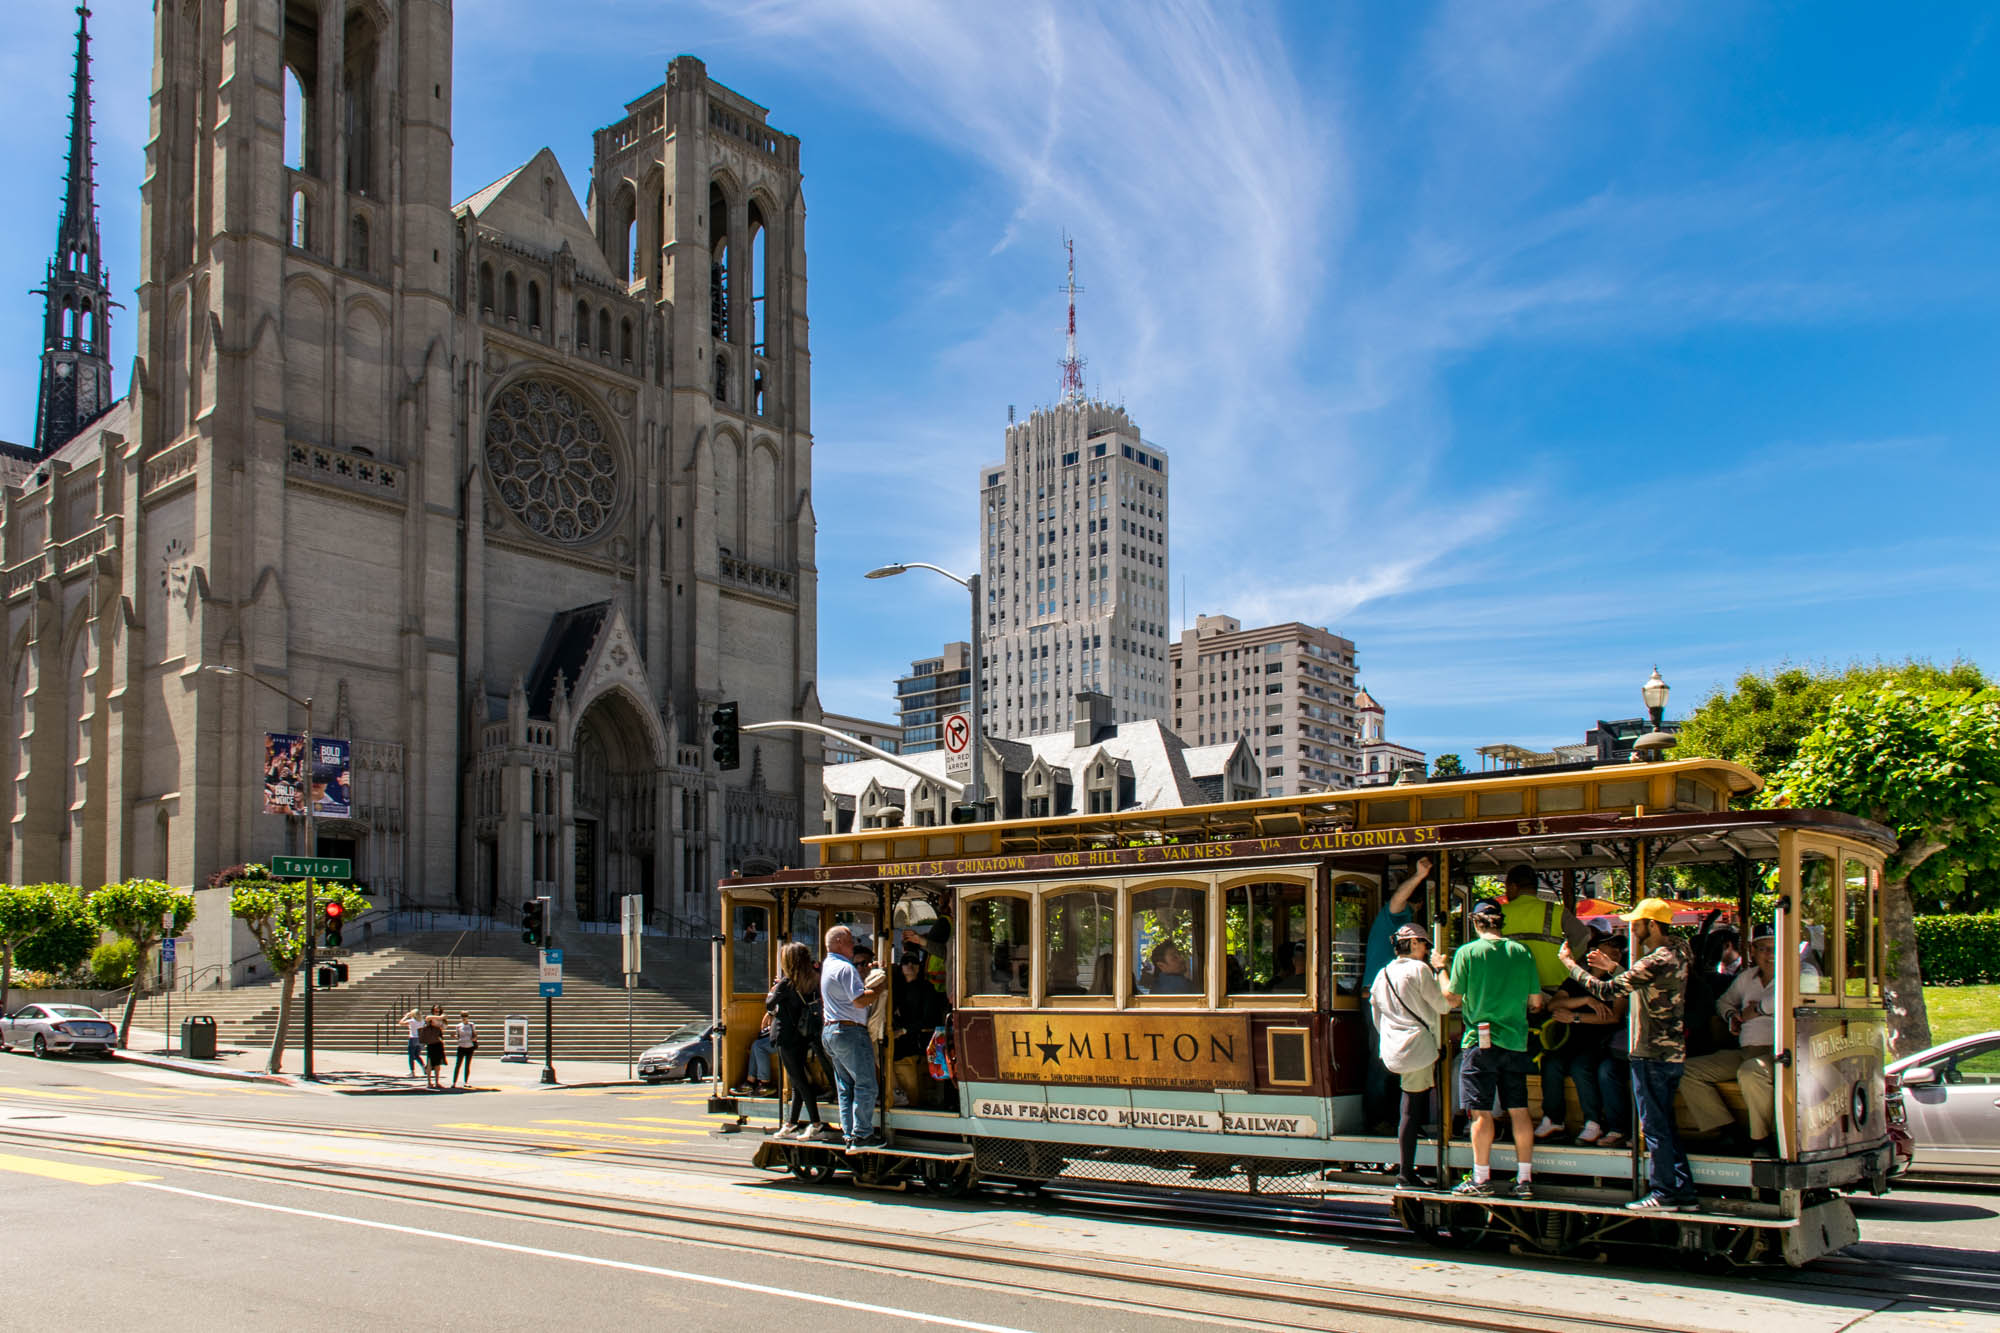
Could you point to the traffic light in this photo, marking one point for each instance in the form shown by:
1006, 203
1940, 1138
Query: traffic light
725, 751
534, 921
333, 913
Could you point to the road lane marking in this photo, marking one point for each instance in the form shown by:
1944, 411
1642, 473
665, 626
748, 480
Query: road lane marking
76, 1173
597, 1261
670, 1120
623, 1125
532, 1131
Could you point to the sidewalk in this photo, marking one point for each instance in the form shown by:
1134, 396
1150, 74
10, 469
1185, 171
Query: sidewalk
359, 1073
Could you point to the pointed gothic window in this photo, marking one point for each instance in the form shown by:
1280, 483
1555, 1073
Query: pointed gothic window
486, 289
760, 277
582, 327
534, 305
358, 93
625, 341
718, 263
604, 332
357, 243
510, 293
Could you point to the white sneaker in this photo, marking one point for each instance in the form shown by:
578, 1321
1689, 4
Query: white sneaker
823, 1130
785, 1132
1547, 1126
1592, 1132
902, 1098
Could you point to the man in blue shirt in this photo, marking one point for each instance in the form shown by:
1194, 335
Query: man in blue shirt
1377, 1091
845, 1000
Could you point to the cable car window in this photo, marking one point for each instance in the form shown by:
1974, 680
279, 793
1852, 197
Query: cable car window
1349, 937
1264, 931
1859, 979
996, 946
750, 950
1169, 937
1815, 918
1080, 943
805, 928
861, 925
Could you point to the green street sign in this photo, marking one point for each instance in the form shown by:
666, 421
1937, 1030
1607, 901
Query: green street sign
312, 867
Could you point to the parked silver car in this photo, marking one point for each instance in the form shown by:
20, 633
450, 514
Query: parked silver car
1951, 1105
60, 1029
686, 1054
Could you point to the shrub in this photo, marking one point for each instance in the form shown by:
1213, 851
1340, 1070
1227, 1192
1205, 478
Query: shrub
1959, 950
113, 964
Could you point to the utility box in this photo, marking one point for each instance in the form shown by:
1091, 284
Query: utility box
198, 1037
514, 1046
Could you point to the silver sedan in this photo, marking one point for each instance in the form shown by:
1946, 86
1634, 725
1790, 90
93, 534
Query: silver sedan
60, 1029
1951, 1102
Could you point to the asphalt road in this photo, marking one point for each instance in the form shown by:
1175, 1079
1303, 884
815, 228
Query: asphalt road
299, 1208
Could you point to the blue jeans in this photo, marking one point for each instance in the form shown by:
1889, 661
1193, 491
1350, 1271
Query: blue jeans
852, 1055
1611, 1087
760, 1058
1653, 1085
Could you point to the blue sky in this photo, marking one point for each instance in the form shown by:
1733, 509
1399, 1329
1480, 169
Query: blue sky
1529, 345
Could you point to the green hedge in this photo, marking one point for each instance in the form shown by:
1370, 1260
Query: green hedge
1959, 950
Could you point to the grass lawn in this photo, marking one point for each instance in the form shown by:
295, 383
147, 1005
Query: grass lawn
1960, 1011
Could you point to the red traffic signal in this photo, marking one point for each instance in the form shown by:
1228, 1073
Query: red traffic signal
334, 911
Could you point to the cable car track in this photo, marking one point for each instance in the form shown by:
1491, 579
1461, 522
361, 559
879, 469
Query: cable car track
1355, 1220
1128, 1283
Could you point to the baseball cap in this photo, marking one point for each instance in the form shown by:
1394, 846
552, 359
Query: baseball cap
1410, 930
1650, 909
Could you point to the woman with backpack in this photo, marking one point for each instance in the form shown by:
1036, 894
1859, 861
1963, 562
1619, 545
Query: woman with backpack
795, 1025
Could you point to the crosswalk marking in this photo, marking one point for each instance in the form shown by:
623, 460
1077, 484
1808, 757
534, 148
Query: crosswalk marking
77, 1173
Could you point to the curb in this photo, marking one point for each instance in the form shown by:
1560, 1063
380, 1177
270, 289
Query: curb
202, 1070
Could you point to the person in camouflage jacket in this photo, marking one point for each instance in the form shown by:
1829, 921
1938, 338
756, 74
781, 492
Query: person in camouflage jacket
1657, 981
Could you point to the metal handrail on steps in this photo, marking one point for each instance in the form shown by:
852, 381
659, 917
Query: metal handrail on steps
448, 966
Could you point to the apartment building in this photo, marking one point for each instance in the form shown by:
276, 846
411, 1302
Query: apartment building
886, 736
1074, 524
936, 688
1287, 690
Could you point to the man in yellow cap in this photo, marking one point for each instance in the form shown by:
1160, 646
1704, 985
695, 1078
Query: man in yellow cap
1657, 980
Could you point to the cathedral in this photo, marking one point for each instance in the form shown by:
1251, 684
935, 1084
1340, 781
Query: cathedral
507, 493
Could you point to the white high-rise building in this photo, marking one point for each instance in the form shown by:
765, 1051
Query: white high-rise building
1074, 524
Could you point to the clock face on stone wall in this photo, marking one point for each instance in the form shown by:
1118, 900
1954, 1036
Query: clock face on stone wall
175, 562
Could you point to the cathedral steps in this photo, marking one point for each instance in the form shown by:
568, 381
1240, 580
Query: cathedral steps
491, 976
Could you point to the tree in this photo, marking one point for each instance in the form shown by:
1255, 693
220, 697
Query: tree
275, 912
1760, 722
1927, 764
1447, 766
25, 911
63, 944
138, 910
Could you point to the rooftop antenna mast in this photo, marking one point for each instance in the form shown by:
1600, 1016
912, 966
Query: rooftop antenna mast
1072, 364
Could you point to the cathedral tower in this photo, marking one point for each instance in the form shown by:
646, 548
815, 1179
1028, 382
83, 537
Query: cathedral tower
76, 337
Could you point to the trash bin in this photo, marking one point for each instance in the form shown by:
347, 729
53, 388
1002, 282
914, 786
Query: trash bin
198, 1037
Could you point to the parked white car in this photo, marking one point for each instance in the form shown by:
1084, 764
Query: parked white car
60, 1029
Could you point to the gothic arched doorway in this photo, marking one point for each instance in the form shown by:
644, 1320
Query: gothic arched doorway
617, 785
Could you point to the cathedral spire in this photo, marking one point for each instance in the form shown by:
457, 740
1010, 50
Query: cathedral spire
76, 342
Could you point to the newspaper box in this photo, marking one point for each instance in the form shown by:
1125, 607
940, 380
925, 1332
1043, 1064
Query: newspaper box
515, 1046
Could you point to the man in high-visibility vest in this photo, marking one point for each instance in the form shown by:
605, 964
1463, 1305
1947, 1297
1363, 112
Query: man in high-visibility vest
1542, 926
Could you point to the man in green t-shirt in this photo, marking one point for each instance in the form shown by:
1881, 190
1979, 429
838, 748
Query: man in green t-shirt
1494, 983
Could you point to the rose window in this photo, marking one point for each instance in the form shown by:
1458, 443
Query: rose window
550, 461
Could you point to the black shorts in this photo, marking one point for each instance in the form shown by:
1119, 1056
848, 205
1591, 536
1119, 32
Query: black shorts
1493, 1078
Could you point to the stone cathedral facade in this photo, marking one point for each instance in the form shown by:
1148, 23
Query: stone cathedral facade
513, 489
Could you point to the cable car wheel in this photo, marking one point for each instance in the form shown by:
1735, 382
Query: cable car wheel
1448, 1225
947, 1180
814, 1170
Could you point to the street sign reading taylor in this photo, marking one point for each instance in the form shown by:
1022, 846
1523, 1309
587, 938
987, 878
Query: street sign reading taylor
312, 867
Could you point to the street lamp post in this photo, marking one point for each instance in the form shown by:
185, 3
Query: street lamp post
976, 788
1654, 692
311, 843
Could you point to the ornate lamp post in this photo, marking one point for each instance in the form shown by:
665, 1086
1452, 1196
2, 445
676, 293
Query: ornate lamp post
976, 788
1654, 692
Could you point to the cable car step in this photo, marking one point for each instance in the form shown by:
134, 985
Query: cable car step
1609, 1207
